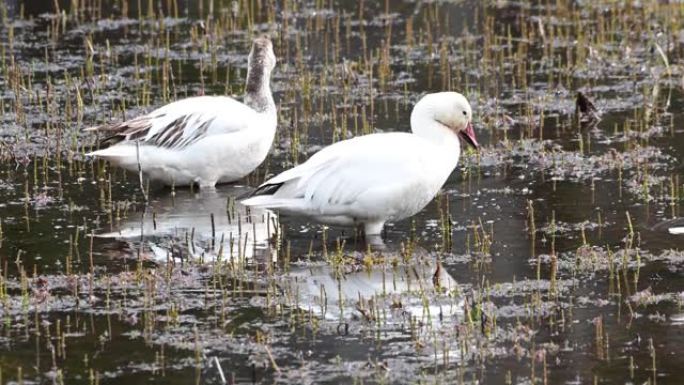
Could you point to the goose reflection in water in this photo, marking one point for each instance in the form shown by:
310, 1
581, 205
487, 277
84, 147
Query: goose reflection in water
420, 290
180, 226
673, 226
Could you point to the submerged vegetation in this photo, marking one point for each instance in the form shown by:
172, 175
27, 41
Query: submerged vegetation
546, 259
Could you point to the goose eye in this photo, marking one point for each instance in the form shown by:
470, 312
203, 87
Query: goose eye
465, 113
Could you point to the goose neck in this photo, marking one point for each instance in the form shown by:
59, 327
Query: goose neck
258, 89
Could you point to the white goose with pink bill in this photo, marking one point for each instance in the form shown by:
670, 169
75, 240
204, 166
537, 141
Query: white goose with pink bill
202, 140
372, 179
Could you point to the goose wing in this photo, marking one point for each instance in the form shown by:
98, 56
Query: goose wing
181, 123
356, 174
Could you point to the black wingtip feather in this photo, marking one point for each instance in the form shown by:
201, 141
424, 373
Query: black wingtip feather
267, 189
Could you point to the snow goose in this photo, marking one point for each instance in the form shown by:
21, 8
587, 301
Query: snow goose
376, 178
201, 140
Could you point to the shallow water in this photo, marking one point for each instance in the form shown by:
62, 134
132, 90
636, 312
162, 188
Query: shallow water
556, 263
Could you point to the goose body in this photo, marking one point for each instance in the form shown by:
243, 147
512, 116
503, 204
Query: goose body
201, 140
375, 178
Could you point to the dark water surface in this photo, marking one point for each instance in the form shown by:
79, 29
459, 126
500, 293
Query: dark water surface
548, 258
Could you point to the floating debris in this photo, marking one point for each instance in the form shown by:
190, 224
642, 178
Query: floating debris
585, 108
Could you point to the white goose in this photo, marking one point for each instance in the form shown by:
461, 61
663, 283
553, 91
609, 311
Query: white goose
201, 140
376, 178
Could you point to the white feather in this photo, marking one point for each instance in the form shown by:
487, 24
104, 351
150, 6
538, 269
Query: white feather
226, 115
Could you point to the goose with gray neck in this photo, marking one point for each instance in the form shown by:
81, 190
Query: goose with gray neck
202, 140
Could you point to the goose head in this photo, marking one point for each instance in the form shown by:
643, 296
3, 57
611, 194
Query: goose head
262, 55
260, 64
442, 115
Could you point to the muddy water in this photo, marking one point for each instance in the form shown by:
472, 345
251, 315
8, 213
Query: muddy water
546, 258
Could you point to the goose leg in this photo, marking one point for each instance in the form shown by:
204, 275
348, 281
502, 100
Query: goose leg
205, 184
373, 228
375, 242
